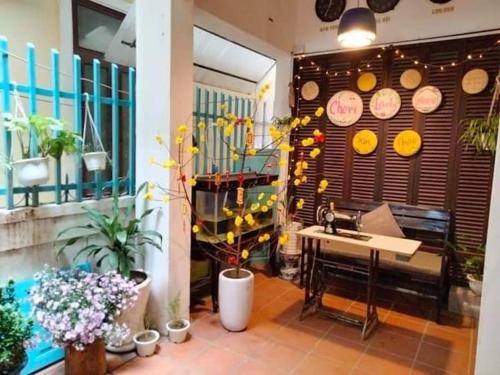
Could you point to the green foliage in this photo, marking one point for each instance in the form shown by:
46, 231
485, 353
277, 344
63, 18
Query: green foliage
481, 133
121, 237
174, 308
15, 330
52, 137
476, 263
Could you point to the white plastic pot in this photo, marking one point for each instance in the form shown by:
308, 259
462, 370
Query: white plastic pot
475, 285
145, 342
178, 335
31, 172
133, 317
235, 298
95, 161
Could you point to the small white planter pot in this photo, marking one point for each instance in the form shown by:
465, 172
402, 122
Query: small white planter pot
475, 285
235, 298
133, 317
31, 172
177, 334
145, 342
95, 161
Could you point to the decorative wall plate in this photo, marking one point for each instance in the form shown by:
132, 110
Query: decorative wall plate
367, 82
344, 108
329, 10
385, 103
407, 143
310, 90
410, 79
364, 142
427, 99
475, 81
382, 6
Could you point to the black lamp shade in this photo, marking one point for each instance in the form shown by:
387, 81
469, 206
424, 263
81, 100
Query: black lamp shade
357, 28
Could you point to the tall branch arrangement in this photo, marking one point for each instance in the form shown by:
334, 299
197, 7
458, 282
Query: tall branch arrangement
234, 250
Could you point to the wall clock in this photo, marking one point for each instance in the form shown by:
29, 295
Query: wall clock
329, 10
344, 108
382, 6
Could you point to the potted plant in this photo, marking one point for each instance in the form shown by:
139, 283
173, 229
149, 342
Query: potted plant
119, 238
476, 264
94, 155
52, 139
79, 310
177, 327
145, 342
15, 333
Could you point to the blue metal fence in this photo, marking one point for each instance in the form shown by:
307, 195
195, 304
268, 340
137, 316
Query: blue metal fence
34, 93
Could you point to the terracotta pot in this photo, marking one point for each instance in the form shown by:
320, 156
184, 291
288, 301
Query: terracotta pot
92, 360
31, 172
133, 317
235, 298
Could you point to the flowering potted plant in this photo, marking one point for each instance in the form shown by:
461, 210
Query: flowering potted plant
121, 240
15, 333
236, 282
52, 139
177, 327
80, 309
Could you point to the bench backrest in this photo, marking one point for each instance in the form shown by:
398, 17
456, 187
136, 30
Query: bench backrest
430, 225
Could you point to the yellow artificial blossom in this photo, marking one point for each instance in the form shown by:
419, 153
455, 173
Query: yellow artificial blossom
269, 203
274, 197
283, 239
238, 221
195, 228
303, 179
319, 111
219, 122
260, 196
245, 254
152, 160
286, 147
275, 183
315, 152
202, 138
148, 196
249, 122
165, 199
169, 164
230, 238
323, 184
300, 204
254, 207
235, 156
275, 133
202, 125
193, 150
227, 211
264, 208
307, 142
316, 132
252, 151
179, 139
295, 123
296, 182
228, 130
250, 220
192, 181
159, 139
282, 162
182, 128
151, 185
305, 120
265, 237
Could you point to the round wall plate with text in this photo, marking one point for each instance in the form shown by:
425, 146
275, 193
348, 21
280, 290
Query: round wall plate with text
407, 143
310, 90
427, 99
344, 108
410, 79
364, 142
475, 81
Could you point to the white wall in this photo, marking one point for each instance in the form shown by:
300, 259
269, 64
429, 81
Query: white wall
411, 19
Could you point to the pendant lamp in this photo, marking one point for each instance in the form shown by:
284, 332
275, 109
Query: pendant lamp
357, 28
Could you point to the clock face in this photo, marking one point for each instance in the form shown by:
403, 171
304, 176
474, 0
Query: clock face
329, 10
382, 6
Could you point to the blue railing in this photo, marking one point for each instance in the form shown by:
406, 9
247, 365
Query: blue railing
34, 93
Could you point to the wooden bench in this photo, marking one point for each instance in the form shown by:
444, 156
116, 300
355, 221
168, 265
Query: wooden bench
424, 274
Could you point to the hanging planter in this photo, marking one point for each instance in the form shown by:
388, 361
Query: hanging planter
94, 157
33, 171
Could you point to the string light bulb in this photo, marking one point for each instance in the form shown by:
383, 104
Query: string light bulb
416, 62
441, 67
469, 56
453, 63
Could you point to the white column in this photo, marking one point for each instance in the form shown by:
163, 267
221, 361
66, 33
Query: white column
164, 100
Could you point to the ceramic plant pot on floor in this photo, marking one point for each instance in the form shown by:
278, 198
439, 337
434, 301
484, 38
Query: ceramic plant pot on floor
31, 172
95, 161
235, 298
133, 317
475, 285
145, 342
178, 330
91, 360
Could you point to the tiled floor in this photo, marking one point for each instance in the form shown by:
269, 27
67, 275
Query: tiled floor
277, 342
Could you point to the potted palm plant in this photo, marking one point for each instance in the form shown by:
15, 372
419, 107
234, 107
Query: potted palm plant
119, 238
476, 265
52, 139
15, 333
177, 327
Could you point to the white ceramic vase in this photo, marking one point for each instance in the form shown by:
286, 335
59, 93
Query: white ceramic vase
293, 245
95, 161
145, 342
475, 285
31, 172
235, 298
133, 317
178, 335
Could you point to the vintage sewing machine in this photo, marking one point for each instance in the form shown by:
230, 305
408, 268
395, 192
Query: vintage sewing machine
329, 218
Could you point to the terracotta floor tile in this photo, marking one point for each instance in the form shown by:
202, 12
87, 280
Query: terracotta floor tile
250, 366
155, 365
348, 332
317, 365
240, 342
436, 356
278, 355
184, 351
216, 360
260, 326
297, 336
448, 338
404, 325
389, 341
208, 327
421, 369
281, 311
376, 362
339, 349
